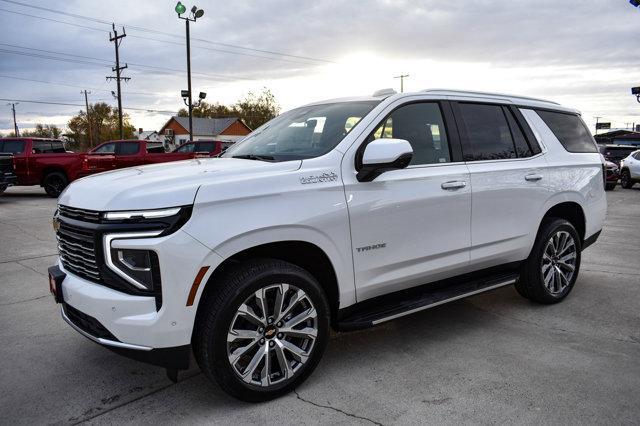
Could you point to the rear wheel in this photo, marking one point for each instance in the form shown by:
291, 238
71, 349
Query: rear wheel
263, 331
625, 179
551, 270
54, 183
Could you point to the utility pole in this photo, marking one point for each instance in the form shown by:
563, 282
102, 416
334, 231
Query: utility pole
15, 123
402, 77
597, 118
86, 102
116, 39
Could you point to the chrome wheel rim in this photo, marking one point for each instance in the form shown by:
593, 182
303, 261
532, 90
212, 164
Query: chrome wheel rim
559, 262
272, 335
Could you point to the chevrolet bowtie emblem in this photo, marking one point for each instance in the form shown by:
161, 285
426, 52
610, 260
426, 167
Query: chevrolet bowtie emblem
55, 222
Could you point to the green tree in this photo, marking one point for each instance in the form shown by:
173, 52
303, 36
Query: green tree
257, 109
254, 109
43, 131
104, 126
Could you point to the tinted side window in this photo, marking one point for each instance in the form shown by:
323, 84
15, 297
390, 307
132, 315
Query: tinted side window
570, 131
41, 147
637, 155
522, 147
14, 147
423, 126
57, 147
109, 148
186, 147
128, 148
206, 146
488, 134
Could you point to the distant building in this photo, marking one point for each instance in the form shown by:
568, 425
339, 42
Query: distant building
610, 137
228, 129
631, 138
149, 135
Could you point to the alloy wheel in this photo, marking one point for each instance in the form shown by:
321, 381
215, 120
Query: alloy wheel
272, 335
559, 262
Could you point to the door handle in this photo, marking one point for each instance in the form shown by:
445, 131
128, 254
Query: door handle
454, 184
533, 177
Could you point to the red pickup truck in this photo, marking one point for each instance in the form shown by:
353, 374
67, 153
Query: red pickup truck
128, 153
44, 162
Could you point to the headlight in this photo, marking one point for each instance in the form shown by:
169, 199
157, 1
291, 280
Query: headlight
137, 266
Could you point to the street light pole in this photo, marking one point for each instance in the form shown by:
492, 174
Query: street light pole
189, 81
195, 14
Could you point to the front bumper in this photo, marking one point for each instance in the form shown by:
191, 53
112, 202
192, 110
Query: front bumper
134, 323
174, 358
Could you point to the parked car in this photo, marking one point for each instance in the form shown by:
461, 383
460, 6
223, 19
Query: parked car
128, 153
611, 174
345, 214
630, 170
7, 175
44, 162
204, 148
615, 153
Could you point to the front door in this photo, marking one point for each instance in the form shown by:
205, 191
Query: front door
411, 226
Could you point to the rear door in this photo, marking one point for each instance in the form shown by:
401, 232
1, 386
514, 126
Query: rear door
128, 154
508, 181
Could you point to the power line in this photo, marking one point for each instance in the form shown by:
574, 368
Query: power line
148, 30
53, 83
81, 105
86, 58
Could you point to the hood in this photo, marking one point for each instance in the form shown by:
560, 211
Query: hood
159, 185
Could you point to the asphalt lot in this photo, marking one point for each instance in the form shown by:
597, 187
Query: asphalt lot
492, 358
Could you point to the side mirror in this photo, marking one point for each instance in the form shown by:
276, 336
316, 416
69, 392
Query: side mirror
383, 155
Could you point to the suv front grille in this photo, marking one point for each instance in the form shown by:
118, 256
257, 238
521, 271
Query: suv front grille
77, 250
79, 214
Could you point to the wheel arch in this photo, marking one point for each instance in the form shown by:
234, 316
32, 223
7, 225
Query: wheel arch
53, 169
572, 212
304, 254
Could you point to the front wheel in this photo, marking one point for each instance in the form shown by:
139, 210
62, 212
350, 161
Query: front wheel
54, 183
263, 331
551, 270
625, 179
610, 186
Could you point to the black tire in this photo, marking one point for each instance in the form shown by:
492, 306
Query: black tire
625, 179
219, 308
54, 183
531, 284
610, 186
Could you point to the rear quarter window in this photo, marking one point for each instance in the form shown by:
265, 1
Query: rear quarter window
570, 131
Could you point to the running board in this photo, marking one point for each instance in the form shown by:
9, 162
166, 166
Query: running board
371, 314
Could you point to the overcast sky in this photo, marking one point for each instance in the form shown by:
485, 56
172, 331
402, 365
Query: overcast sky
581, 53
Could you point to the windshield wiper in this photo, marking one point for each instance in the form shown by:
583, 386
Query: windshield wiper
254, 157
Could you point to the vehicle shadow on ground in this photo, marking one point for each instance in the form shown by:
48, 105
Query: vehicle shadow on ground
350, 358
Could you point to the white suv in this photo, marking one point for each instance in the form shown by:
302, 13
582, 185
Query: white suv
344, 214
630, 170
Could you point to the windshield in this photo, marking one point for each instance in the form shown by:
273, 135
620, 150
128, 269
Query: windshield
301, 133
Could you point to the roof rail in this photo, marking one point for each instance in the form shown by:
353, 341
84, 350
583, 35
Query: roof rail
490, 94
